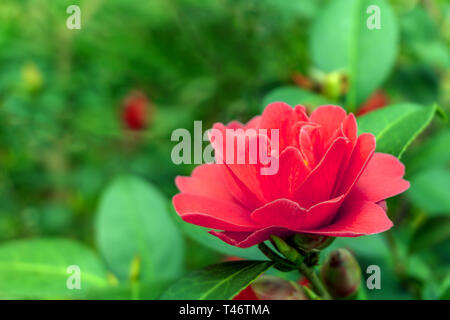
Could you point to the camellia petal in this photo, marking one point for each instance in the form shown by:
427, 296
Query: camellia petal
320, 183
330, 119
291, 173
212, 213
206, 181
350, 129
361, 154
248, 239
280, 116
381, 179
280, 213
356, 218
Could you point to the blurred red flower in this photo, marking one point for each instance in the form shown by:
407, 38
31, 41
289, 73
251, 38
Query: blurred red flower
135, 111
376, 101
330, 182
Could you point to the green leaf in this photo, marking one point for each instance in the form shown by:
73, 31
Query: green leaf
201, 236
341, 40
141, 291
133, 222
38, 268
396, 126
445, 288
293, 96
217, 282
434, 152
434, 231
430, 190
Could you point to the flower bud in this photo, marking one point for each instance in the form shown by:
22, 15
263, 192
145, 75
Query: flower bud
271, 288
311, 243
334, 84
341, 274
32, 77
136, 108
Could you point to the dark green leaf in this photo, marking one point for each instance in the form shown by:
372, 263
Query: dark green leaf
217, 282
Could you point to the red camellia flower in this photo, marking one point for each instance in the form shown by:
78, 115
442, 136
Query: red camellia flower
330, 181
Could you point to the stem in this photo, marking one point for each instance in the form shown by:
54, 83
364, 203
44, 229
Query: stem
135, 290
296, 260
399, 267
275, 257
316, 283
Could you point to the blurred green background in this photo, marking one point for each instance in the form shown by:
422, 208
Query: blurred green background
63, 137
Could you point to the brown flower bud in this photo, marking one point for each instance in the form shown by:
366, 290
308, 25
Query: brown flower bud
272, 288
341, 274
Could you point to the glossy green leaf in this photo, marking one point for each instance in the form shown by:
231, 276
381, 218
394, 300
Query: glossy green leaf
39, 268
201, 236
396, 126
217, 282
341, 40
293, 96
133, 223
433, 232
430, 191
